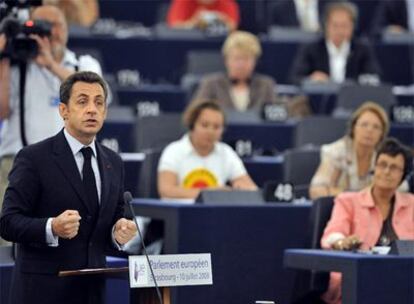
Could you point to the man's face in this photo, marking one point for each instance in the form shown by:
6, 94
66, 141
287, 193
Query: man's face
85, 112
339, 27
59, 37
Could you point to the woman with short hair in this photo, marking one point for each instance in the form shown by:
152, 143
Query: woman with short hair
239, 88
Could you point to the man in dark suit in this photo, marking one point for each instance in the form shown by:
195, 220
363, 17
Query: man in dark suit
64, 203
338, 56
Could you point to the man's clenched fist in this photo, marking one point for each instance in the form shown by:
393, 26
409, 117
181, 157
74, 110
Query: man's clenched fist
66, 225
124, 230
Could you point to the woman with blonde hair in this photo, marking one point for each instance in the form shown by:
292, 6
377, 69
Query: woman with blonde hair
348, 163
239, 88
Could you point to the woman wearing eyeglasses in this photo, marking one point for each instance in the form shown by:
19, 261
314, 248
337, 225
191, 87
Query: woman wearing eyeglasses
375, 216
347, 164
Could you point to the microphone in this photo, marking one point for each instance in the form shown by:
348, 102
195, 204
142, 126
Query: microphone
127, 200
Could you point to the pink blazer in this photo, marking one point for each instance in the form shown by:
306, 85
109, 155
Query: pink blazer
356, 213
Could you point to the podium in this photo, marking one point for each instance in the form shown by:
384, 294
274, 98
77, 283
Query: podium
166, 270
137, 296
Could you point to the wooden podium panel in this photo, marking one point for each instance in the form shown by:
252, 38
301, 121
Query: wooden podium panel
137, 295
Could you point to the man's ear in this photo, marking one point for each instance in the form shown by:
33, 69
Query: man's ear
63, 111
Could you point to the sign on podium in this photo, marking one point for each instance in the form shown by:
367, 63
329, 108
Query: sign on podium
171, 270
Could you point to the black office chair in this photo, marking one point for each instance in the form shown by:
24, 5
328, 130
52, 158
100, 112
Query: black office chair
298, 168
198, 64
120, 113
155, 132
147, 181
318, 130
7, 254
350, 97
310, 285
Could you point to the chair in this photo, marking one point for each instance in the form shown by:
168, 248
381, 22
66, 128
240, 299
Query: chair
298, 168
120, 113
199, 63
350, 97
118, 132
309, 285
318, 130
155, 132
7, 254
147, 181
204, 61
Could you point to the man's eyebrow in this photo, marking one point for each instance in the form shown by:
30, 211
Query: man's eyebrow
82, 95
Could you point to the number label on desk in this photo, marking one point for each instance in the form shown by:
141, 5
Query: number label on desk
403, 114
148, 108
128, 78
284, 192
278, 192
244, 148
275, 112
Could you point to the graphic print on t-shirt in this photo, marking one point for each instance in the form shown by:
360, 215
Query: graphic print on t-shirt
200, 178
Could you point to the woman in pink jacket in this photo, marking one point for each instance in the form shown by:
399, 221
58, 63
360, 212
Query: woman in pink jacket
374, 216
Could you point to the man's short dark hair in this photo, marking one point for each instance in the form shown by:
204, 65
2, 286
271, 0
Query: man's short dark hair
393, 147
88, 77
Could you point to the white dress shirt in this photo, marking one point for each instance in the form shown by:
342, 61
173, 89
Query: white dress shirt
337, 60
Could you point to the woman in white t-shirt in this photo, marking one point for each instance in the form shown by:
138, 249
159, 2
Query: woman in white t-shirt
199, 160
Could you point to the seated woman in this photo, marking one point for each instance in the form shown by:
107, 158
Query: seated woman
374, 216
203, 13
199, 160
347, 164
239, 88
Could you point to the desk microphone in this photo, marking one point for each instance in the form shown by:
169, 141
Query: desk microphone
127, 200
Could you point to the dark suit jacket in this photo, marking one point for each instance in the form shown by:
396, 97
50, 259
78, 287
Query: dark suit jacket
314, 57
390, 12
217, 86
44, 182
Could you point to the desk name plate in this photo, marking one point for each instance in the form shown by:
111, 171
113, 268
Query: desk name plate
171, 270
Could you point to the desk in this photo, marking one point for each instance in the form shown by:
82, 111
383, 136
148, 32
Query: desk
161, 60
168, 98
246, 245
366, 279
271, 137
263, 136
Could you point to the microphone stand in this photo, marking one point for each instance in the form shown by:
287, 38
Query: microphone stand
127, 200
